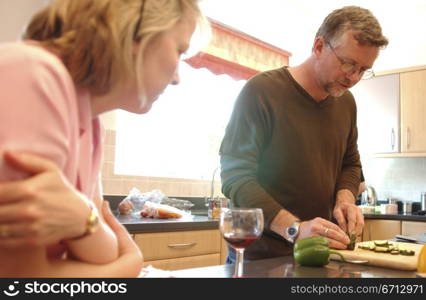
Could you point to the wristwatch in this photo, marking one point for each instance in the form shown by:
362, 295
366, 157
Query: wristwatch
91, 222
291, 232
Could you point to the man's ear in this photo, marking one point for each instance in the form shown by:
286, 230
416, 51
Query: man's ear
318, 47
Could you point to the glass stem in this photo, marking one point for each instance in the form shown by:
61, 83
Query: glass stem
239, 262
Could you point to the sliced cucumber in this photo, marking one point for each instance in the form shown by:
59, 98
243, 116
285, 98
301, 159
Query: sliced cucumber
407, 252
381, 249
381, 243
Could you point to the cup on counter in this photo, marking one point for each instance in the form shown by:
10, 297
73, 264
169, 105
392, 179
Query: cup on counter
423, 201
407, 207
392, 201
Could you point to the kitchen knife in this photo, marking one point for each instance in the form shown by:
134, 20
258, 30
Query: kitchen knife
406, 238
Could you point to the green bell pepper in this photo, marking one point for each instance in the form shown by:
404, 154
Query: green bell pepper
313, 251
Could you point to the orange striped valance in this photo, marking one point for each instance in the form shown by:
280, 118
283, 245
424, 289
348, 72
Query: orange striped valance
237, 54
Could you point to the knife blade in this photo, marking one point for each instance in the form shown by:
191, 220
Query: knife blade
406, 238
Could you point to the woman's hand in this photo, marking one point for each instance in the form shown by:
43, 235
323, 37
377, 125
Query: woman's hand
40, 210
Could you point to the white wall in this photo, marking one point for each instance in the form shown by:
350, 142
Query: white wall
14, 15
292, 24
288, 24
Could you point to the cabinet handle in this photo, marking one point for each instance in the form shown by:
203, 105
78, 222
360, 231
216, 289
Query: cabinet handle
187, 245
408, 138
393, 139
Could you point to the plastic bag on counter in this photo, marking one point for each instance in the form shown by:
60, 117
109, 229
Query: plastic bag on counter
184, 205
162, 211
135, 200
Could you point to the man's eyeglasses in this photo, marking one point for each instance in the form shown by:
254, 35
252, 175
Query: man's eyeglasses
350, 68
138, 23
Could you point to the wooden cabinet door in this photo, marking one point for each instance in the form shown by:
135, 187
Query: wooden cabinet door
381, 229
413, 228
413, 111
378, 114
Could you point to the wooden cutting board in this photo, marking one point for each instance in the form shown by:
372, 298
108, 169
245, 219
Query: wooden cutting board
385, 260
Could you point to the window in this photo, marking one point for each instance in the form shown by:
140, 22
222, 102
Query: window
181, 135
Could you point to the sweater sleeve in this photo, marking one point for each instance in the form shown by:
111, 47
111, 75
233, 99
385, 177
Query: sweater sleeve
246, 135
350, 174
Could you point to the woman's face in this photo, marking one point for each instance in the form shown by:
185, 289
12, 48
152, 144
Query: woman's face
161, 58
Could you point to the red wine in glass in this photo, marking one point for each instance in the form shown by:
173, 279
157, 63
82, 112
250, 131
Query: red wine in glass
240, 242
240, 227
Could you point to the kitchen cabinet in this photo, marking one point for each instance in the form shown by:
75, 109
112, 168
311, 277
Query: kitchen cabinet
380, 229
413, 228
391, 109
413, 111
378, 105
181, 249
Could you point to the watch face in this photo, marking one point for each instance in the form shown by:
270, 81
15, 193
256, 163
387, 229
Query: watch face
292, 231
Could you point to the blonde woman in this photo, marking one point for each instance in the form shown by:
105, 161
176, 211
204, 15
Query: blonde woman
78, 60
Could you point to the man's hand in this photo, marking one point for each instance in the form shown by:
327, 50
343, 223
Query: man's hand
348, 215
337, 238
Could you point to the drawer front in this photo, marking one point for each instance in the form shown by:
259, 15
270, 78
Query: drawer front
166, 245
185, 262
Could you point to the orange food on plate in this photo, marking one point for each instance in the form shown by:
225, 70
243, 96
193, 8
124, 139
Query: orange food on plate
166, 214
160, 211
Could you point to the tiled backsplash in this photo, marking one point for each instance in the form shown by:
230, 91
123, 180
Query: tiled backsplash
174, 187
398, 178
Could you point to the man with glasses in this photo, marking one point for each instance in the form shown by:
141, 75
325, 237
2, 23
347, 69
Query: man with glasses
290, 147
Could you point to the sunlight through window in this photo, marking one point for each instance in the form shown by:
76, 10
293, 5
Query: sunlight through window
181, 135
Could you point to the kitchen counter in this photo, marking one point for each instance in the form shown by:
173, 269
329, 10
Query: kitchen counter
144, 225
400, 216
286, 267
200, 221
136, 224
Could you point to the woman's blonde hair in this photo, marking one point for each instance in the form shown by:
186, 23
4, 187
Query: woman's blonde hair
96, 38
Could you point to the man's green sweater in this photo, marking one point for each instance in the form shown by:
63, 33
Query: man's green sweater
283, 149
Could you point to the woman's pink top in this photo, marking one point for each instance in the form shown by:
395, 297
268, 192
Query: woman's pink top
42, 112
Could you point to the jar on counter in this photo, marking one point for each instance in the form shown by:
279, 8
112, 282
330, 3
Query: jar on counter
214, 207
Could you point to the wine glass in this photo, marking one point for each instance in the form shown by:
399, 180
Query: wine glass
241, 227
